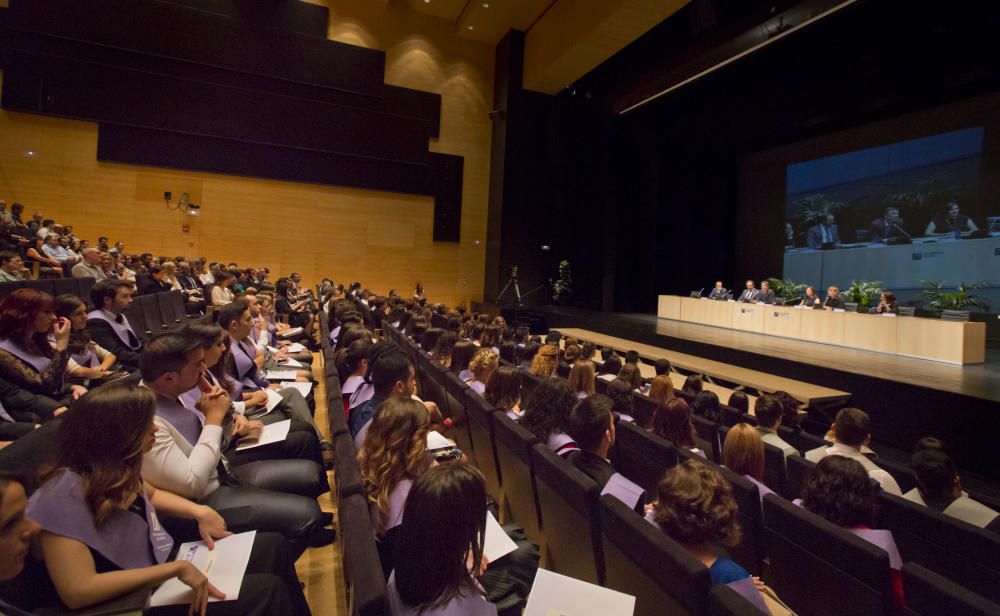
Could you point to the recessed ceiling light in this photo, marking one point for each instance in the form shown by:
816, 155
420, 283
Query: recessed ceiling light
486, 5
472, 27
30, 154
427, 1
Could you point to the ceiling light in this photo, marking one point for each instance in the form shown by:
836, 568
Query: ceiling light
472, 27
427, 1
29, 154
486, 5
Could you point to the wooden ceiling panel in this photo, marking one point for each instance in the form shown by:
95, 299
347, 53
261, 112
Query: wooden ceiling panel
445, 9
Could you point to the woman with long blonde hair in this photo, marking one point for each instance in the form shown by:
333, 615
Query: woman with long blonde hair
544, 364
393, 456
484, 363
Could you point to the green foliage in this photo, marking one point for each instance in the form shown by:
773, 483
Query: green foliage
937, 298
562, 286
864, 292
787, 288
813, 208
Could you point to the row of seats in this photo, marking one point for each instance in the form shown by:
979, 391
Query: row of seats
53, 286
601, 541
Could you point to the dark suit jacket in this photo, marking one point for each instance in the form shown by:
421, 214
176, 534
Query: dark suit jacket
749, 295
717, 293
598, 469
147, 284
835, 303
814, 236
767, 297
878, 232
101, 333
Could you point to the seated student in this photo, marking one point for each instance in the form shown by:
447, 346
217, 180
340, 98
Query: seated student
662, 366
392, 376
672, 421
621, 398
27, 360
545, 361
695, 508
939, 488
504, 391
631, 375
263, 335
439, 557
17, 532
706, 404
743, 453
592, 426
108, 326
524, 355
484, 363
693, 385
768, 412
508, 352
352, 364
588, 350
570, 355
153, 282
611, 367
547, 412
851, 430
838, 490
739, 401
100, 536
394, 455
302, 441
581, 378
461, 354
490, 338
89, 363
441, 352
222, 291
187, 457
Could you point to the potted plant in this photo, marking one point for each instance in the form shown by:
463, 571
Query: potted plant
864, 293
937, 298
787, 288
562, 287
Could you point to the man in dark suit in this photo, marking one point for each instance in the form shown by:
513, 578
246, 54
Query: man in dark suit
834, 300
766, 295
719, 292
823, 233
592, 426
888, 227
110, 328
153, 282
749, 294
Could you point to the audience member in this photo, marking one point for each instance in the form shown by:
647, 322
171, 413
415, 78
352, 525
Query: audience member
739, 401
581, 378
547, 412
90, 266
544, 364
693, 385
17, 533
706, 404
108, 326
503, 391
621, 397
392, 376
768, 412
672, 421
12, 267
661, 389
939, 488
631, 375
482, 366
743, 453
851, 430
89, 362
461, 354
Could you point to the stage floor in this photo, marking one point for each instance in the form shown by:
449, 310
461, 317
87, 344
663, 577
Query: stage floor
978, 380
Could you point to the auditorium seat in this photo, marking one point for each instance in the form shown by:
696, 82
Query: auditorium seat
519, 497
930, 594
729, 416
643, 408
345, 465
432, 375
459, 431
798, 469
775, 473
366, 590
65, 286
820, 569
902, 473
25, 456
641, 560
965, 554
724, 601
571, 542
136, 319
807, 442
44, 285
641, 456
708, 432
7, 288
528, 383
84, 285
480, 415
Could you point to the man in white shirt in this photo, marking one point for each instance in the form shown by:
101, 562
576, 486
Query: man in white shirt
768, 411
90, 267
187, 457
851, 430
939, 488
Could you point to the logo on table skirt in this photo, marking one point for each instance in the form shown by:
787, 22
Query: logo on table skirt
918, 256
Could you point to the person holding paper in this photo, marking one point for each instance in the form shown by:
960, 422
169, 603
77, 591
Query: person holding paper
440, 557
101, 537
187, 458
592, 425
262, 338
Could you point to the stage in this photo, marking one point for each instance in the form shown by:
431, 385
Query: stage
906, 398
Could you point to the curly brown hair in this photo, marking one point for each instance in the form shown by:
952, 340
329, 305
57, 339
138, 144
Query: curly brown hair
696, 506
543, 365
395, 449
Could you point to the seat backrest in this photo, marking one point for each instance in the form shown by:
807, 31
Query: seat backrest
729, 416
480, 414
345, 464
641, 456
366, 588
136, 319
568, 498
150, 312
819, 568
84, 285
806, 442
708, 431
774, 469
724, 601
459, 430
643, 408
902, 473
6, 288
43, 285
641, 560
929, 594
959, 551
336, 417
798, 469
65, 286
519, 496
433, 380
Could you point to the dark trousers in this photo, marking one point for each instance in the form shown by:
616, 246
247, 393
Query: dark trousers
302, 446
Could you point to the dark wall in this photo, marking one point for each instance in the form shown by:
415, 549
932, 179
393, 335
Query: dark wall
669, 172
228, 86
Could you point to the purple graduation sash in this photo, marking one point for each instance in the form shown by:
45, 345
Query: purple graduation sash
38, 362
762, 489
88, 359
748, 590
624, 490
61, 508
470, 602
187, 421
122, 330
561, 443
397, 502
881, 539
4, 415
478, 387
246, 369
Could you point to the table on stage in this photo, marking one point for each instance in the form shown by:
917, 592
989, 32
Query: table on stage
933, 339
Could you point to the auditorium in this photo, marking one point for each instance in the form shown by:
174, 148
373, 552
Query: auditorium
499, 308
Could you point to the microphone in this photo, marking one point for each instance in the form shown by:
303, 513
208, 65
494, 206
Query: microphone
902, 229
